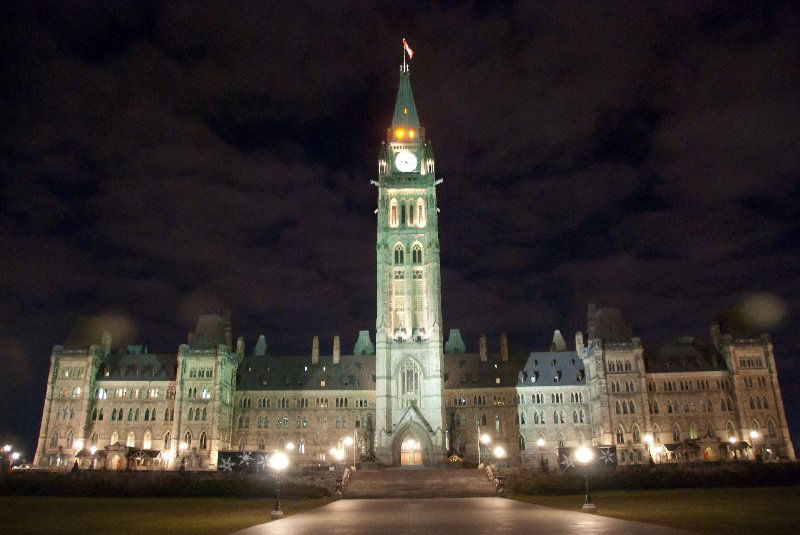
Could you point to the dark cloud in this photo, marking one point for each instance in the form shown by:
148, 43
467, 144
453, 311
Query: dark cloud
160, 160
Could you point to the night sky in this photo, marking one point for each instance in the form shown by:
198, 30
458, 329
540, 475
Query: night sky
162, 160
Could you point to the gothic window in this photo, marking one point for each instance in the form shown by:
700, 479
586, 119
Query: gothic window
241, 444
147, 441
656, 434
583, 417
411, 214
618, 408
131, 439
632, 407
203, 441
636, 435
95, 438
204, 415
114, 438
676, 433
624, 407
763, 403
730, 430
191, 414
420, 213
166, 415
168, 441
710, 430
770, 428
536, 418
147, 414
54, 439
521, 442
393, 213
416, 254
692, 430
399, 254
187, 438
562, 440
409, 380
262, 445
620, 435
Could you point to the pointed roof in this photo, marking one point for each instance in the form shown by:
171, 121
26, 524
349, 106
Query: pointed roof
405, 110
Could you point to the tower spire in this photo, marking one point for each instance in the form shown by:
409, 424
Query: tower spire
405, 110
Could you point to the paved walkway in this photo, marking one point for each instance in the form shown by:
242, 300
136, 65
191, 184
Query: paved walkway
440, 516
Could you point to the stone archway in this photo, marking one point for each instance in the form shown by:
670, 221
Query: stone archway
412, 445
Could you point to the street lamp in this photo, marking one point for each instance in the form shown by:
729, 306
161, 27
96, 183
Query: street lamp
648, 439
540, 443
278, 461
584, 455
754, 436
182, 447
348, 441
482, 439
7, 448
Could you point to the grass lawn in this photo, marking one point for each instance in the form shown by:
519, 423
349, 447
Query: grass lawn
718, 510
134, 516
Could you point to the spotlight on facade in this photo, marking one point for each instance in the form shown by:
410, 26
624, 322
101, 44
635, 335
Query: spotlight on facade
78, 445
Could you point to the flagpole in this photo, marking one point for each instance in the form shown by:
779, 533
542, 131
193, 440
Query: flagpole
404, 56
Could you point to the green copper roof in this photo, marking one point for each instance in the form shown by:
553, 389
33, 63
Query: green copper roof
405, 111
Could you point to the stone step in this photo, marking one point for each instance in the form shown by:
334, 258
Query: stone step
418, 483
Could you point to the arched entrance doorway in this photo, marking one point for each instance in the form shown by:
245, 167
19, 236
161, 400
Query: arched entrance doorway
410, 452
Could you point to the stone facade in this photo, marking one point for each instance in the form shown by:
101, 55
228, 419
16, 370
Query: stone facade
410, 398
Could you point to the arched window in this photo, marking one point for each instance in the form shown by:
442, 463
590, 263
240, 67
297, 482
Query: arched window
582, 417
147, 442
204, 414
521, 441
393, 213
620, 435
770, 428
676, 433
411, 214
95, 438
241, 444
399, 254
262, 445
168, 441
624, 407
187, 439
416, 254
536, 418
54, 439
131, 439
410, 381
420, 213
203, 440
710, 432
166, 415
191, 414
632, 407
656, 434
618, 408
764, 403
692, 430
69, 439
114, 438
636, 435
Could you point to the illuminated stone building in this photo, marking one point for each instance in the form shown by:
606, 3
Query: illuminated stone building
411, 397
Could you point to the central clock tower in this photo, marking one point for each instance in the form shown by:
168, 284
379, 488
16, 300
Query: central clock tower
409, 350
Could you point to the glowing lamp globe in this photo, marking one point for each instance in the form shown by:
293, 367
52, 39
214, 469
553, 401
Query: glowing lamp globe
583, 455
278, 461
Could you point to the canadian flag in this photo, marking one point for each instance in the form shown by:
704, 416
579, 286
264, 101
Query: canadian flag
408, 49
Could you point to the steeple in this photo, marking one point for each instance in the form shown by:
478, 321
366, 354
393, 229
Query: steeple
405, 110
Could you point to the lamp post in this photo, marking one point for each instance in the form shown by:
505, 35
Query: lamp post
540, 443
732, 441
754, 436
278, 461
482, 440
584, 455
648, 439
182, 447
348, 441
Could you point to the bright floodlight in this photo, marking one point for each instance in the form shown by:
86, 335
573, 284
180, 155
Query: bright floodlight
278, 461
754, 434
7, 448
584, 455
93, 450
499, 452
183, 446
339, 454
78, 444
289, 446
540, 443
648, 438
486, 439
15, 455
348, 441
732, 440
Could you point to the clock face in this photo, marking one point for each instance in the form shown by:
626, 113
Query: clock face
405, 161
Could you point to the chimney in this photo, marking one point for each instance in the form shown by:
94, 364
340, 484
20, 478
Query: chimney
482, 350
315, 350
226, 318
504, 347
337, 350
